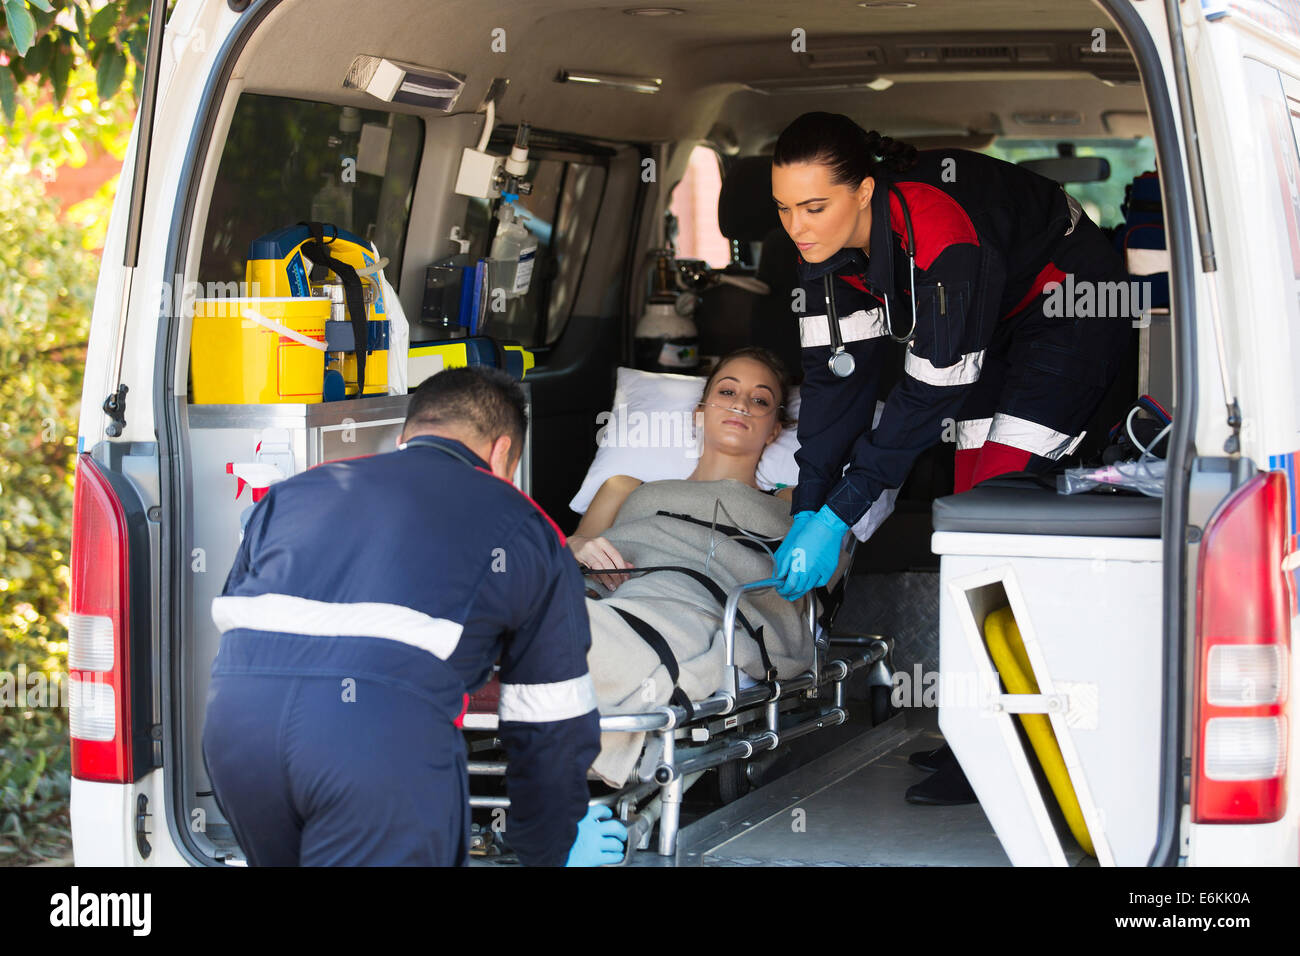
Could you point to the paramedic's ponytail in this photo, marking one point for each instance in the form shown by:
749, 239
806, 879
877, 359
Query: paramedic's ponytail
895, 155
851, 152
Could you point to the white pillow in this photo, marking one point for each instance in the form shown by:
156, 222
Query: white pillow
650, 434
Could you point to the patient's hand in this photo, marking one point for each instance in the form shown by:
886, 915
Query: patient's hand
599, 554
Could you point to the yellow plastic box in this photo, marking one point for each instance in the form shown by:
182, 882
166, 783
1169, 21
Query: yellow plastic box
258, 351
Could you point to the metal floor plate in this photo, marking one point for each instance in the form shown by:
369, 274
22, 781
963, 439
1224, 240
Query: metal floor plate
845, 809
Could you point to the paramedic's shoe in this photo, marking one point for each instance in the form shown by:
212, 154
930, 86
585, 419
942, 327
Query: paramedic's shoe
931, 760
947, 788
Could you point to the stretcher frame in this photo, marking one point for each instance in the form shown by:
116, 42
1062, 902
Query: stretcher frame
731, 725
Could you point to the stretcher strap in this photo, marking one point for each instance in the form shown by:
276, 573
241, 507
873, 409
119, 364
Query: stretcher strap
742, 537
666, 657
720, 596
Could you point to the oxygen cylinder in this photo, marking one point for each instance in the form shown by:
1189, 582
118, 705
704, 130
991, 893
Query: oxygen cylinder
666, 339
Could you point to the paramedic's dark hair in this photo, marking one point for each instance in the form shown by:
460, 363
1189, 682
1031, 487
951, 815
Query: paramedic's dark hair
836, 141
486, 401
774, 365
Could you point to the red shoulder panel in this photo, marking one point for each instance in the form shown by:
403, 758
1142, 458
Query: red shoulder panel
938, 221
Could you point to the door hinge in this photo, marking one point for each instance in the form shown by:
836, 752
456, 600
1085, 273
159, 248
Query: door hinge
1232, 445
115, 408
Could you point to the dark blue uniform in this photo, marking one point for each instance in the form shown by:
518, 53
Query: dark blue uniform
367, 599
1011, 360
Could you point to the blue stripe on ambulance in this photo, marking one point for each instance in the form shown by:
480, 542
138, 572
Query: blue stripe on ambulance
1287, 463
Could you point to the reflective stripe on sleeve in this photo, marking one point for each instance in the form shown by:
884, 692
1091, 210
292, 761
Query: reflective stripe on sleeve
286, 614
814, 330
973, 432
539, 703
1032, 437
966, 371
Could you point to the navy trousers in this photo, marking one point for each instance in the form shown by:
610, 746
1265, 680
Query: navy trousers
337, 751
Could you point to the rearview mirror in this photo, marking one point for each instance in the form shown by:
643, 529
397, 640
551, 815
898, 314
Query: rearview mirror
1070, 169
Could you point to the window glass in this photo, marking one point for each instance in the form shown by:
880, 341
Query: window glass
289, 160
1275, 111
695, 206
1101, 201
561, 214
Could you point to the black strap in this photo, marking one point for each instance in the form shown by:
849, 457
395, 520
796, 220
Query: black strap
317, 252
666, 657
720, 596
742, 537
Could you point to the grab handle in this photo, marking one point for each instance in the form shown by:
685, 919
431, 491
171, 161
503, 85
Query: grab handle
254, 316
638, 827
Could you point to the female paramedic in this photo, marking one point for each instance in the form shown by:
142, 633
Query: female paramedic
949, 251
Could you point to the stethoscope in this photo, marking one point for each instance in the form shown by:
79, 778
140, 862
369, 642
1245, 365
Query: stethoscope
841, 363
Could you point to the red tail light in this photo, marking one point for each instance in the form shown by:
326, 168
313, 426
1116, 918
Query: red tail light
98, 631
1243, 631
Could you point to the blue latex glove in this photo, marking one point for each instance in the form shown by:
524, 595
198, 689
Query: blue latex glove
601, 839
784, 556
808, 556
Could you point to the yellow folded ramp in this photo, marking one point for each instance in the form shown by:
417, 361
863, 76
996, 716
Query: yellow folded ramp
1009, 657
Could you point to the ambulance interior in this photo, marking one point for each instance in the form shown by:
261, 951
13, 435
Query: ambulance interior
687, 102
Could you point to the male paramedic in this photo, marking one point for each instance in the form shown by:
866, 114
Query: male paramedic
963, 257
367, 598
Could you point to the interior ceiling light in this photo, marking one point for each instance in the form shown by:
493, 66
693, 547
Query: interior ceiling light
398, 82
886, 4
801, 85
633, 84
653, 11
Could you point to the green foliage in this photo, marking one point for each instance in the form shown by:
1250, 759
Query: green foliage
34, 785
47, 282
50, 135
46, 40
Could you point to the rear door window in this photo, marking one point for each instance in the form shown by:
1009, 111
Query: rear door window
1275, 107
288, 160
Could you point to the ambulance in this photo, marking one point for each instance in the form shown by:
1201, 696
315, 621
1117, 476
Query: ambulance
1163, 629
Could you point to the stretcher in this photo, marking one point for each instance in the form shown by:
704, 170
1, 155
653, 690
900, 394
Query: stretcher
734, 724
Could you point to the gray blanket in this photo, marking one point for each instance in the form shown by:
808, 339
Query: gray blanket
627, 672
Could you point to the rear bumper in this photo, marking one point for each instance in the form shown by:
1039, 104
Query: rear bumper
1256, 844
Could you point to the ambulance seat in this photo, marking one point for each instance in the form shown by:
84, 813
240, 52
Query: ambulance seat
1013, 505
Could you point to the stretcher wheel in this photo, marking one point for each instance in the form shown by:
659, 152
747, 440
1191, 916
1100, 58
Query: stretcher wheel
733, 782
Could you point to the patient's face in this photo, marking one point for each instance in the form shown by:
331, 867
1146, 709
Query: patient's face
820, 217
741, 385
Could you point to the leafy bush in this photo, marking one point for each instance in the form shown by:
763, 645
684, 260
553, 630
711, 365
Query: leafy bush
46, 290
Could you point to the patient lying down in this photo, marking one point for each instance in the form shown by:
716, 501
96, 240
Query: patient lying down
707, 523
